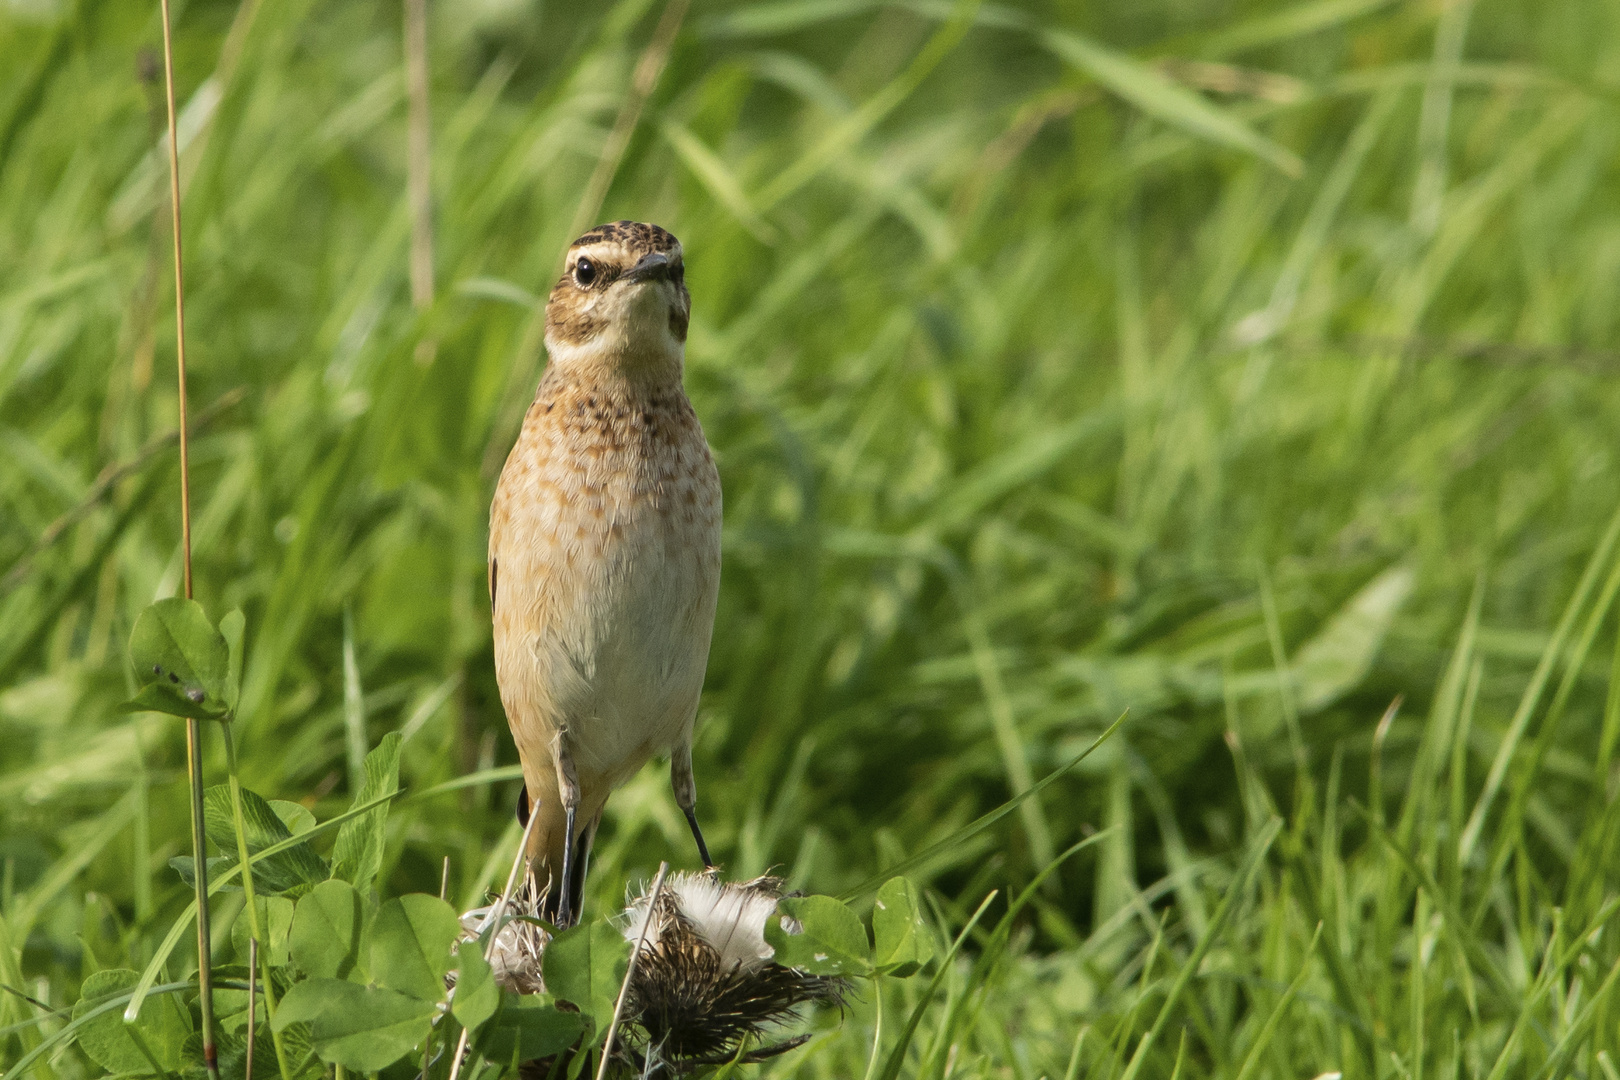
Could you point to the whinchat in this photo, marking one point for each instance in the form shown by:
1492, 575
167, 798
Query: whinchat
604, 551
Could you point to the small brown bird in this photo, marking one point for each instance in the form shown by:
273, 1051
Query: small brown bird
604, 551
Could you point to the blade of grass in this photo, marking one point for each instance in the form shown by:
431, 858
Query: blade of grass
354, 708
71, 1029
1524, 783
642, 83
896, 1059
1532, 693
851, 129
976, 826
1155, 94
1268, 1030
63, 872
1310, 17
1434, 123
1461, 929
1240, 885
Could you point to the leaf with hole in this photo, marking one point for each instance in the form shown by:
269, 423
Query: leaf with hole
181, 661
826, 939
901, 943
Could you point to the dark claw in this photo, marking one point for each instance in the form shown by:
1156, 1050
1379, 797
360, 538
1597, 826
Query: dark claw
697, 834
565, 910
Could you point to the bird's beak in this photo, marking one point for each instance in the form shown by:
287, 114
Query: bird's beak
652, 267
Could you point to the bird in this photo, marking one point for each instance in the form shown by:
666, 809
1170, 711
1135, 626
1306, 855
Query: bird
604, 552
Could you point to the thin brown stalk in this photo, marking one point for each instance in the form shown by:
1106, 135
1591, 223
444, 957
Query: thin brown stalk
630, 970
179, 298
419, 160
205, 977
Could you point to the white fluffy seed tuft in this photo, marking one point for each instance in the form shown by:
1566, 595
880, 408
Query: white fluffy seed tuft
730, 918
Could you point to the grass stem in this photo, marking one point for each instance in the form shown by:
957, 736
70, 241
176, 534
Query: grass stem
199, 845
630, 970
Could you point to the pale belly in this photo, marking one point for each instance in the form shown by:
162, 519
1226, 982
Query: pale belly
626, 665
604, 573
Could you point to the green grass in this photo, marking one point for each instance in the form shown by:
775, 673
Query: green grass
1044, 385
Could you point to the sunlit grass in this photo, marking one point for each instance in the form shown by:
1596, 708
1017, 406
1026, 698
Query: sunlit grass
1042, 390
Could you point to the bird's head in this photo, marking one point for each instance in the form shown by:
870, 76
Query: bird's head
621, 300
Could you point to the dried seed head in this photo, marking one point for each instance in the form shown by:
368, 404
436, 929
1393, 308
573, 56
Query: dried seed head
704, 978
519, 945
729, 918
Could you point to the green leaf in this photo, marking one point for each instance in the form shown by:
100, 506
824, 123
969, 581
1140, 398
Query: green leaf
585, 965
364, 1028
901, 943
298, 818
476, 996
1157, 95
232, 1050
167, 699
830, 939
409, 945
163, 1024
231, 628
357, 855
529, 1026
327, 928
294, 871
181, 661
182, 865
275, 922
1335, 661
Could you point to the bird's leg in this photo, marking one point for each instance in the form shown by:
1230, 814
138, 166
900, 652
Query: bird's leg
582, 862
565, 912
568, 788
680, 778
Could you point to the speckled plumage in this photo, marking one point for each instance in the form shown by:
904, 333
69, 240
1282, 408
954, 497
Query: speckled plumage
604, 542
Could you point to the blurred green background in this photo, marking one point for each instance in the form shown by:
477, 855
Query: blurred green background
1196, 359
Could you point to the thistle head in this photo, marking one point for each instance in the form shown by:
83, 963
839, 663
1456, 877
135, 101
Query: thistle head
705, 979
621, 300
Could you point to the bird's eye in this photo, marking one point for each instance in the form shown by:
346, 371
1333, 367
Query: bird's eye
677, 273
584, 272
